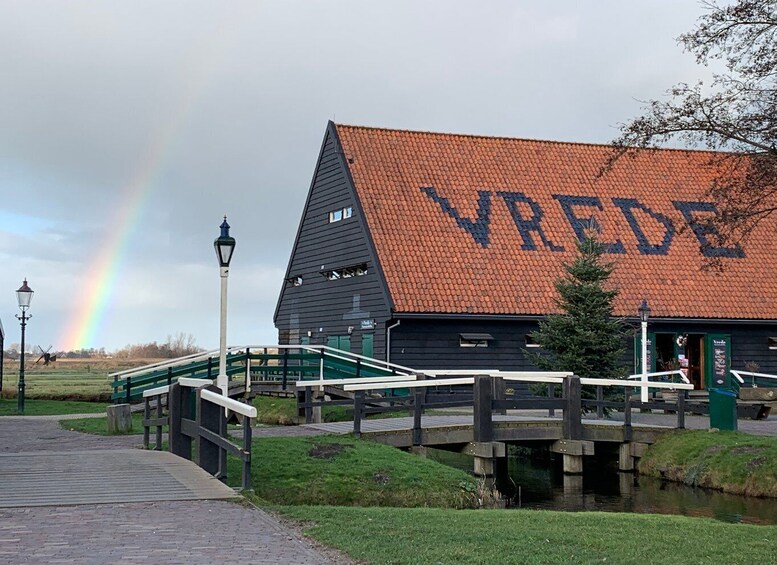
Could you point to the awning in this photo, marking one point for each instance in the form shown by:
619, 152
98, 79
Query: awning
477, 337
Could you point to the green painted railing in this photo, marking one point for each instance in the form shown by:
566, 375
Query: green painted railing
273, 363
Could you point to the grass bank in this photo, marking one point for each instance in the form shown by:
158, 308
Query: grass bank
99, 426
276, 411
430, 535
729, 461
343, 471
33, 407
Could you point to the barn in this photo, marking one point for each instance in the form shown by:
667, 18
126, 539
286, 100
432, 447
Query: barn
436, 250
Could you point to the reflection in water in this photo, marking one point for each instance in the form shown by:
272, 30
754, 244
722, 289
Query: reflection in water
534, 480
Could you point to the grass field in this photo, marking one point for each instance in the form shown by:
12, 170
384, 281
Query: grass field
66, 379
32, 407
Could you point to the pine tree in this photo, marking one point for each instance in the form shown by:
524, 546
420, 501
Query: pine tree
585, 338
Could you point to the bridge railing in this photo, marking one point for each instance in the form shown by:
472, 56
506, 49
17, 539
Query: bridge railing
197, 412
277, 363
488, 396
756, 379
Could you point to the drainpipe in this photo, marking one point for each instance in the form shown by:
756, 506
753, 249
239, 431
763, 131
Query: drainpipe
388, 340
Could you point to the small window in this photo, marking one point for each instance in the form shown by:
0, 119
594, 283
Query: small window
340, 214
530, 341
346, 272
474, 340
773, 343
295, 281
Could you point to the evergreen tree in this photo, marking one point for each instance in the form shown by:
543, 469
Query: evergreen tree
585, 338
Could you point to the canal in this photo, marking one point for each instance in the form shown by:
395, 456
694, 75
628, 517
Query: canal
534, 480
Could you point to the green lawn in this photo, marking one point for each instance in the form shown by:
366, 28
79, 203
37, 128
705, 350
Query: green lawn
730, 461
345, 471
32, 407
445, 536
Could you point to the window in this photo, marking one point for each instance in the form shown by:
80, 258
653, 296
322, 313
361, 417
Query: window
530, 341
346, 272
340, 214
335, 216
474, 340
295, 281
773, 343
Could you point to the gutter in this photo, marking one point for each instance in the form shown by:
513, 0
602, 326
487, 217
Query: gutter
388, 340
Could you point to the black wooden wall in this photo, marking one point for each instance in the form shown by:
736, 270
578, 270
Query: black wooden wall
330, 307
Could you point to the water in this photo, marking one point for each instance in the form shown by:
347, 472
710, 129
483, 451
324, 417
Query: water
536, 481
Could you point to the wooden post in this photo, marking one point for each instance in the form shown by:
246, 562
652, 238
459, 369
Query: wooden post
119, 419
158, 446
358, 404
169, 376
209, 417
483, 425
627, 418
599, 400
418, 410
246, 453
498, 392
128, 388
572, 425
210, 368
551, 394
286, 371
179, 407
308, 404
146, 416
681, 409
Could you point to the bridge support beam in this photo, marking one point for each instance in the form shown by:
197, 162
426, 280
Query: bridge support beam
573, 451
485, 455
628, 454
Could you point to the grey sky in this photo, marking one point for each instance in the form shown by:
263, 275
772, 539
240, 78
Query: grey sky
212, 107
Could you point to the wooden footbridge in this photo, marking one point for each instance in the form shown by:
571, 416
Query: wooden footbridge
494, 403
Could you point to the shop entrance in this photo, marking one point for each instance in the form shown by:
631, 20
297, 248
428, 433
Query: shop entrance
694, 353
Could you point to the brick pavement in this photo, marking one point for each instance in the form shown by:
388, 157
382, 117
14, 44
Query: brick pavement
202, 531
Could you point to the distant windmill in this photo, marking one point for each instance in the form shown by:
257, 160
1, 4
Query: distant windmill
45, 356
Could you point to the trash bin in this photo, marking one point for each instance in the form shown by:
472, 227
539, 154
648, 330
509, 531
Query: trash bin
723, 409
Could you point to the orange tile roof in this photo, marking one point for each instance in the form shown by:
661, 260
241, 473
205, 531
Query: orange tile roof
454, 220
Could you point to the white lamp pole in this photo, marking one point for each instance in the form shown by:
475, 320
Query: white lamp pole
644, 314
224, 246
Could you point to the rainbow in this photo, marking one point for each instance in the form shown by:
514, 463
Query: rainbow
84, 326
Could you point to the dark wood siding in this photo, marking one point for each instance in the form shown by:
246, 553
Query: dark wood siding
332, 307
434, 344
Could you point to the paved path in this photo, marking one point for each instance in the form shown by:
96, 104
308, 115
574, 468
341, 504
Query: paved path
177, 531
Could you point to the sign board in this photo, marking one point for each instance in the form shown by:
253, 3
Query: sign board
720, 374
367, 324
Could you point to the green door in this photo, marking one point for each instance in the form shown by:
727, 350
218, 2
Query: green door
341, 342
367, 340
717, 361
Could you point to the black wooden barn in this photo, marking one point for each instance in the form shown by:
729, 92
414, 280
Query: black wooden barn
440, 251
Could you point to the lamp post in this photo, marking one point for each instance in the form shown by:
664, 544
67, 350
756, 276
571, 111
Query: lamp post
644, 314
23, 297
224, 246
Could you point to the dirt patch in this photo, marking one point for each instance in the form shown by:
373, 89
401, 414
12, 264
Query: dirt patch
381, 478
714, 449
327, 450
745, 449
757, 462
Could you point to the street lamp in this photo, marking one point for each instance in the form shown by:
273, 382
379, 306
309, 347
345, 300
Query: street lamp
224, 246
644, 314
23, 297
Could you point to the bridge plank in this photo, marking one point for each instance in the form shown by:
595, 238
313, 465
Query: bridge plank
102, 476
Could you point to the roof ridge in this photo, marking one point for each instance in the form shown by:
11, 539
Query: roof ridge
524, 139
